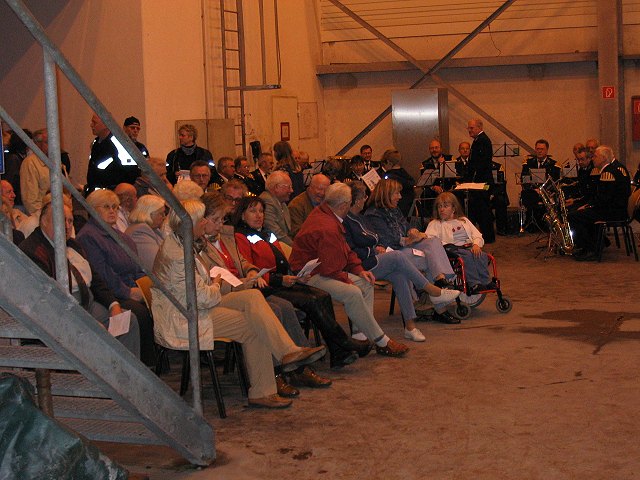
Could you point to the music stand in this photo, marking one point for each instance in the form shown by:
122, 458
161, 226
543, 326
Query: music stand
538, 175
308, 173
570, 171
427, 178
449, 169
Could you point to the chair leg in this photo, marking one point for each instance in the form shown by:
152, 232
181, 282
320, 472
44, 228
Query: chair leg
615, 234
162, 356
229, 358
392, 303
316, 334
217, 391
600, 241
186, 370
243, 377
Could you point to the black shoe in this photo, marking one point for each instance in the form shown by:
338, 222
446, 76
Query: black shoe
342, 358
445, 317
444, 283
607, 242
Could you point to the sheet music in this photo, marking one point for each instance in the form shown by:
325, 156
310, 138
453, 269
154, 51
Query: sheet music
449, 169
472, 186
371, 178
570, 171
538, 175
226, 275
308, 268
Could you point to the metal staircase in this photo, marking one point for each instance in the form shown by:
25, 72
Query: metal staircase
99, 389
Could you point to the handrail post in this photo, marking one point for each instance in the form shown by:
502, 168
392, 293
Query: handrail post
55, 173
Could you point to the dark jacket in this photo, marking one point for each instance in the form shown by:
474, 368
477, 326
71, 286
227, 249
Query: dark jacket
109, 166
408, 183
389, 224
361, 240
479, 166
178, 160
40, 250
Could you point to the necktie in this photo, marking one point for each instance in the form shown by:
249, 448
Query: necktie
82, 285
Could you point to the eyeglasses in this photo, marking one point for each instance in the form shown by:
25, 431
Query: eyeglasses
231, 199
109, 207
214, 220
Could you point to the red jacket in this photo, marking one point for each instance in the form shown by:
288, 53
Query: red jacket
259, 254
322, 236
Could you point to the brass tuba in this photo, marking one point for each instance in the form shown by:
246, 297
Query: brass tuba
556, 216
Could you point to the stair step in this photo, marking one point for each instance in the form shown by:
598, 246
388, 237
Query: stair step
31, 357
11, 328
105, 431
64, 384
90, 408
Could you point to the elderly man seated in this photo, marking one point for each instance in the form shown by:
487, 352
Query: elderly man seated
340, 272
85, 284
277, 217
302, 205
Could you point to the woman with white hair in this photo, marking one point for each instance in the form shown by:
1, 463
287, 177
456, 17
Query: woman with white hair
115, 267
145, 221
243, 316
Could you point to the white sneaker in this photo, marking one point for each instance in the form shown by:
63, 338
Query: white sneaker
446, 296
415, 335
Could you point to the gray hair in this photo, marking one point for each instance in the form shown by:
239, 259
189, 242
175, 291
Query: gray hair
195, 209
606, 151
187, 189
102, 197
275, 178
147, 204
336, 194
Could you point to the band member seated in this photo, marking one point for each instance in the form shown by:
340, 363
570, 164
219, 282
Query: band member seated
529, 197
609, 202
436, 160
580, 190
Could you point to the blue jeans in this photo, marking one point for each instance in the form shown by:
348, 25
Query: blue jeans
435, 260
403, 275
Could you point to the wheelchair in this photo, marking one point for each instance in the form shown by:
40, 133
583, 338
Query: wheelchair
472, 300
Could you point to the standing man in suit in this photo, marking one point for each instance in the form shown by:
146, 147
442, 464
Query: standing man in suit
479, 171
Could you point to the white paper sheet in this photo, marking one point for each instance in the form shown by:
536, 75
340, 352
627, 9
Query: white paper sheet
371, 178
472, 186
226, 275
417, 253
259, 275
119, 324
308, 268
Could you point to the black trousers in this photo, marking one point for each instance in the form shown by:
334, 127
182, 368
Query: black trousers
479, 212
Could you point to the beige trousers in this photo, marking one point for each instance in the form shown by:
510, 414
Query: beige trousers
246, 317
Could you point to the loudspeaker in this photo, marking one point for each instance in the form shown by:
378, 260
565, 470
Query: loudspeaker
256, 149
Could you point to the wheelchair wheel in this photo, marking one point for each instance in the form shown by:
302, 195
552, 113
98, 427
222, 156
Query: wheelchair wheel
462, 311
472, 300
504, 305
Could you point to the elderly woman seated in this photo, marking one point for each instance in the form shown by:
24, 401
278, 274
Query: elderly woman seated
260, 246
243, 316
145, 221
115, 267
385, 219
393, 266
220, 250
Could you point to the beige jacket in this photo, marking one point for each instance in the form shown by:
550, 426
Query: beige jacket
170, 327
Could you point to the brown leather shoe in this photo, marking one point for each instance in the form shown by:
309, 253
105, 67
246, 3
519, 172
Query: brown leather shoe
272, 401
284, 389
363, 347
309, 378
304, 356
392, 349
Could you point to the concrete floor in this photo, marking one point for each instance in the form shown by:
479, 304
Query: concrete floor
548, 391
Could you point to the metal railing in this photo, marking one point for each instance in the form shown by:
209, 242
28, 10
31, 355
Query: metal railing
53, 57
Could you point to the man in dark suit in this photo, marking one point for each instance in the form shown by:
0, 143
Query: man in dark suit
259, 175
530, 197
479, 171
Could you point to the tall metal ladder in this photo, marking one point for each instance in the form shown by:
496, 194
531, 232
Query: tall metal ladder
114, 385
234, 77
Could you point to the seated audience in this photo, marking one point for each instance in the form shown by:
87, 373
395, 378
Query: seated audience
340, 272
393, 266
143, 183
200, 173
85, 284
128, 197
16, 216
243, 316
385, 219
609, 202
115, 267
145, 221
302, 205
243, 173
260, 174
276, 213
461, 239
233, 192
220, 250
187, 190
260, 247
391, 168
34, 174
225, 171
14, 154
